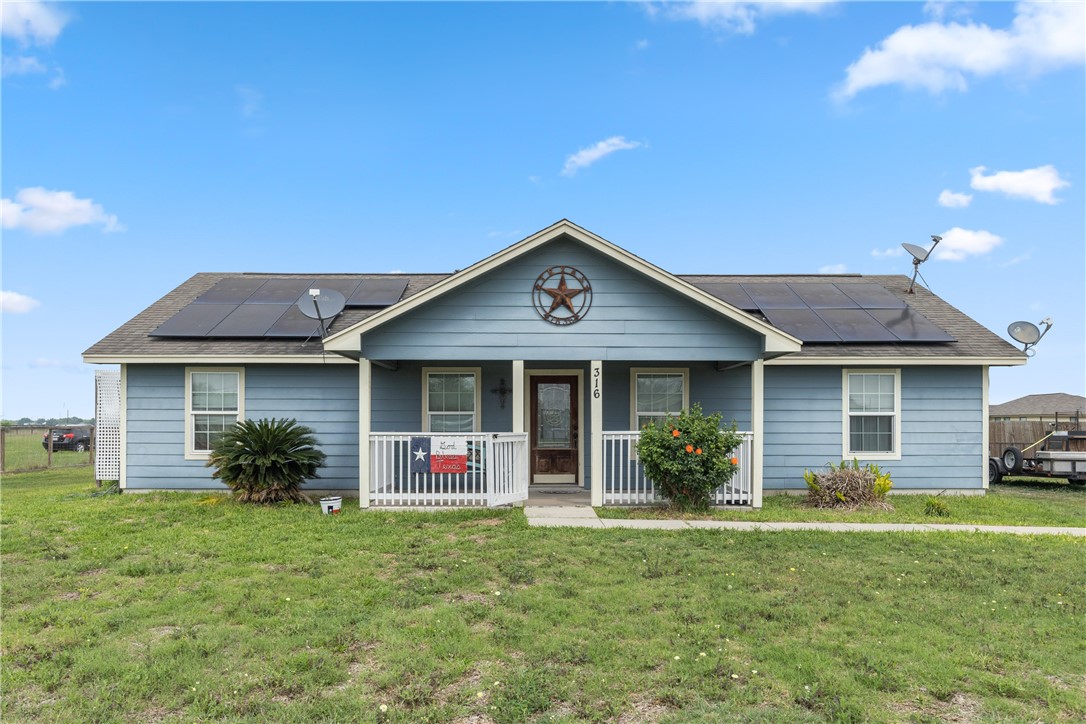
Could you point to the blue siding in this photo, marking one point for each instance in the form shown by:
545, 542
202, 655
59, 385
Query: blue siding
725, 391
941, 426
397, 396
324, 397
631, 318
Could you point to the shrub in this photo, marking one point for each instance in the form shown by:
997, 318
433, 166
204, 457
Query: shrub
688, 457
848, 486
936, 506
266, 461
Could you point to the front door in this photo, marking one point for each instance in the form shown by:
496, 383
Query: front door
554, 433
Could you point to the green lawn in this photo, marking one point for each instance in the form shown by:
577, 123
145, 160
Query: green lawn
1017, 501
151, 607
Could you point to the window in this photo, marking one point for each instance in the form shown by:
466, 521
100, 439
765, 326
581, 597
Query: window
872, 414
213, 402
450, 400
657, 393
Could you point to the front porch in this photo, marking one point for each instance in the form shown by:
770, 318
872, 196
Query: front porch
496, 472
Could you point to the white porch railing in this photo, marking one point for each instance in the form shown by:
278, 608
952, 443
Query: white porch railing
624, 481
497, 472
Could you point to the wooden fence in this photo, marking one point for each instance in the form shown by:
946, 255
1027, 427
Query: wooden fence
21, 450
1022, 433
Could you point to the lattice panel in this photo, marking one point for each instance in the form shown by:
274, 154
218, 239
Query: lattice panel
107, 415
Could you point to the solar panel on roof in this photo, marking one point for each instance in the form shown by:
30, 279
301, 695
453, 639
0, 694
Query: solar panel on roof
871, 296
346, 287
856, 325
910, 325
234, 290
294, 324
801, 323
773, 295
730, 292
280, 291
822, 295
249, 320
194, 320
377, 293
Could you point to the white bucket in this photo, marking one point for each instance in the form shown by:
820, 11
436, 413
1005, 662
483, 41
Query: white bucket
330, 506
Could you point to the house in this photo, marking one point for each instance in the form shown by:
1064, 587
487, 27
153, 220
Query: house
540, 363
1053, 407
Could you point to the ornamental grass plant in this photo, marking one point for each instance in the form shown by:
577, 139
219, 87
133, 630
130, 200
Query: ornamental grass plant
266, 461
688, 457
848, 486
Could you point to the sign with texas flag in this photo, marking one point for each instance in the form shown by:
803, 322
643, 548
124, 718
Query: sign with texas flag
439, 454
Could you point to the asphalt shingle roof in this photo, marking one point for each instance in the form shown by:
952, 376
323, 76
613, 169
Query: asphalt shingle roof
132, 338
1048, 404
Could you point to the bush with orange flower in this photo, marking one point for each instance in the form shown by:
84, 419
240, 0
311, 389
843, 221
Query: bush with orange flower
689, 456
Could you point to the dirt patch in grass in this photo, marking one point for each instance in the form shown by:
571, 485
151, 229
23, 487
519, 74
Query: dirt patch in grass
69, 596
160, 632
958, 709
643, 710
481, 522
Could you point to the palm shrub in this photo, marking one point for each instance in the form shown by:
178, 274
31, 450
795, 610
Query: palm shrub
266, 461
848, 485
688, 457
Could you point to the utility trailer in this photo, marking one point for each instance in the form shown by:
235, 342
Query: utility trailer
1059, 454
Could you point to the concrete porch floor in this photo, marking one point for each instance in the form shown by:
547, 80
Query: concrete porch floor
554, 496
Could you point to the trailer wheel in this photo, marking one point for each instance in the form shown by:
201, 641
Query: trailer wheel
1012, 460
995, 475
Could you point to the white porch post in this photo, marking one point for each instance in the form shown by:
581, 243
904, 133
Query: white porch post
364, 412
518, 395
757, 421
595, 389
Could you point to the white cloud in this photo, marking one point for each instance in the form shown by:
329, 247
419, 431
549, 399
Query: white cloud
733, 17
588, 156
938, 56
32, 22
959, 243
892, 251
1037, 184
833, 269
21, 65
250, 99
15, 303
1018, 259
41, 211
642, 44
954, 200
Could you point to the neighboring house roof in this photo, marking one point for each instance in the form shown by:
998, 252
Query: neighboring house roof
132, 341
1046, 405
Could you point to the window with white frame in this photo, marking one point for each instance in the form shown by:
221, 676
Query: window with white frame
872, 414
213, 402
450, 400
657, 393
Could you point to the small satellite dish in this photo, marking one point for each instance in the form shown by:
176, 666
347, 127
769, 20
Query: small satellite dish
920, 255
321, 305
1028, 334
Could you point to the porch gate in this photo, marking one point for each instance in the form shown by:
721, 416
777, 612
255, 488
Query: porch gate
497, 472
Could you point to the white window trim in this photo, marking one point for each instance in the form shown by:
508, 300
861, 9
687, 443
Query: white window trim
477, 371
190, 453
635, 371
847, 454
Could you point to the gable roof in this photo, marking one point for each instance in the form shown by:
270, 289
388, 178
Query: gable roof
776, 341
1047, 404
131, 342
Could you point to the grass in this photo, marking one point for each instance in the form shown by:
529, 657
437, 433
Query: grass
1017, 501
23, 451
149, 607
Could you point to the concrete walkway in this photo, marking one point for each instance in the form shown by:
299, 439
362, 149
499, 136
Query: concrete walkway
583, 516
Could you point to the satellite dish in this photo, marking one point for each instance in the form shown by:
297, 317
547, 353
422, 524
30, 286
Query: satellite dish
1028, 334
920, 255
321, 305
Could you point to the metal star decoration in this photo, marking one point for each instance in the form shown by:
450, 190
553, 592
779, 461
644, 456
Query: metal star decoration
562, 295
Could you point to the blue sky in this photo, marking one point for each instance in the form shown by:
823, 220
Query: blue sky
144, 142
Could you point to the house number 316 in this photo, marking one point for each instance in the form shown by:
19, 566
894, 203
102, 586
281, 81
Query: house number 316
596, 382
